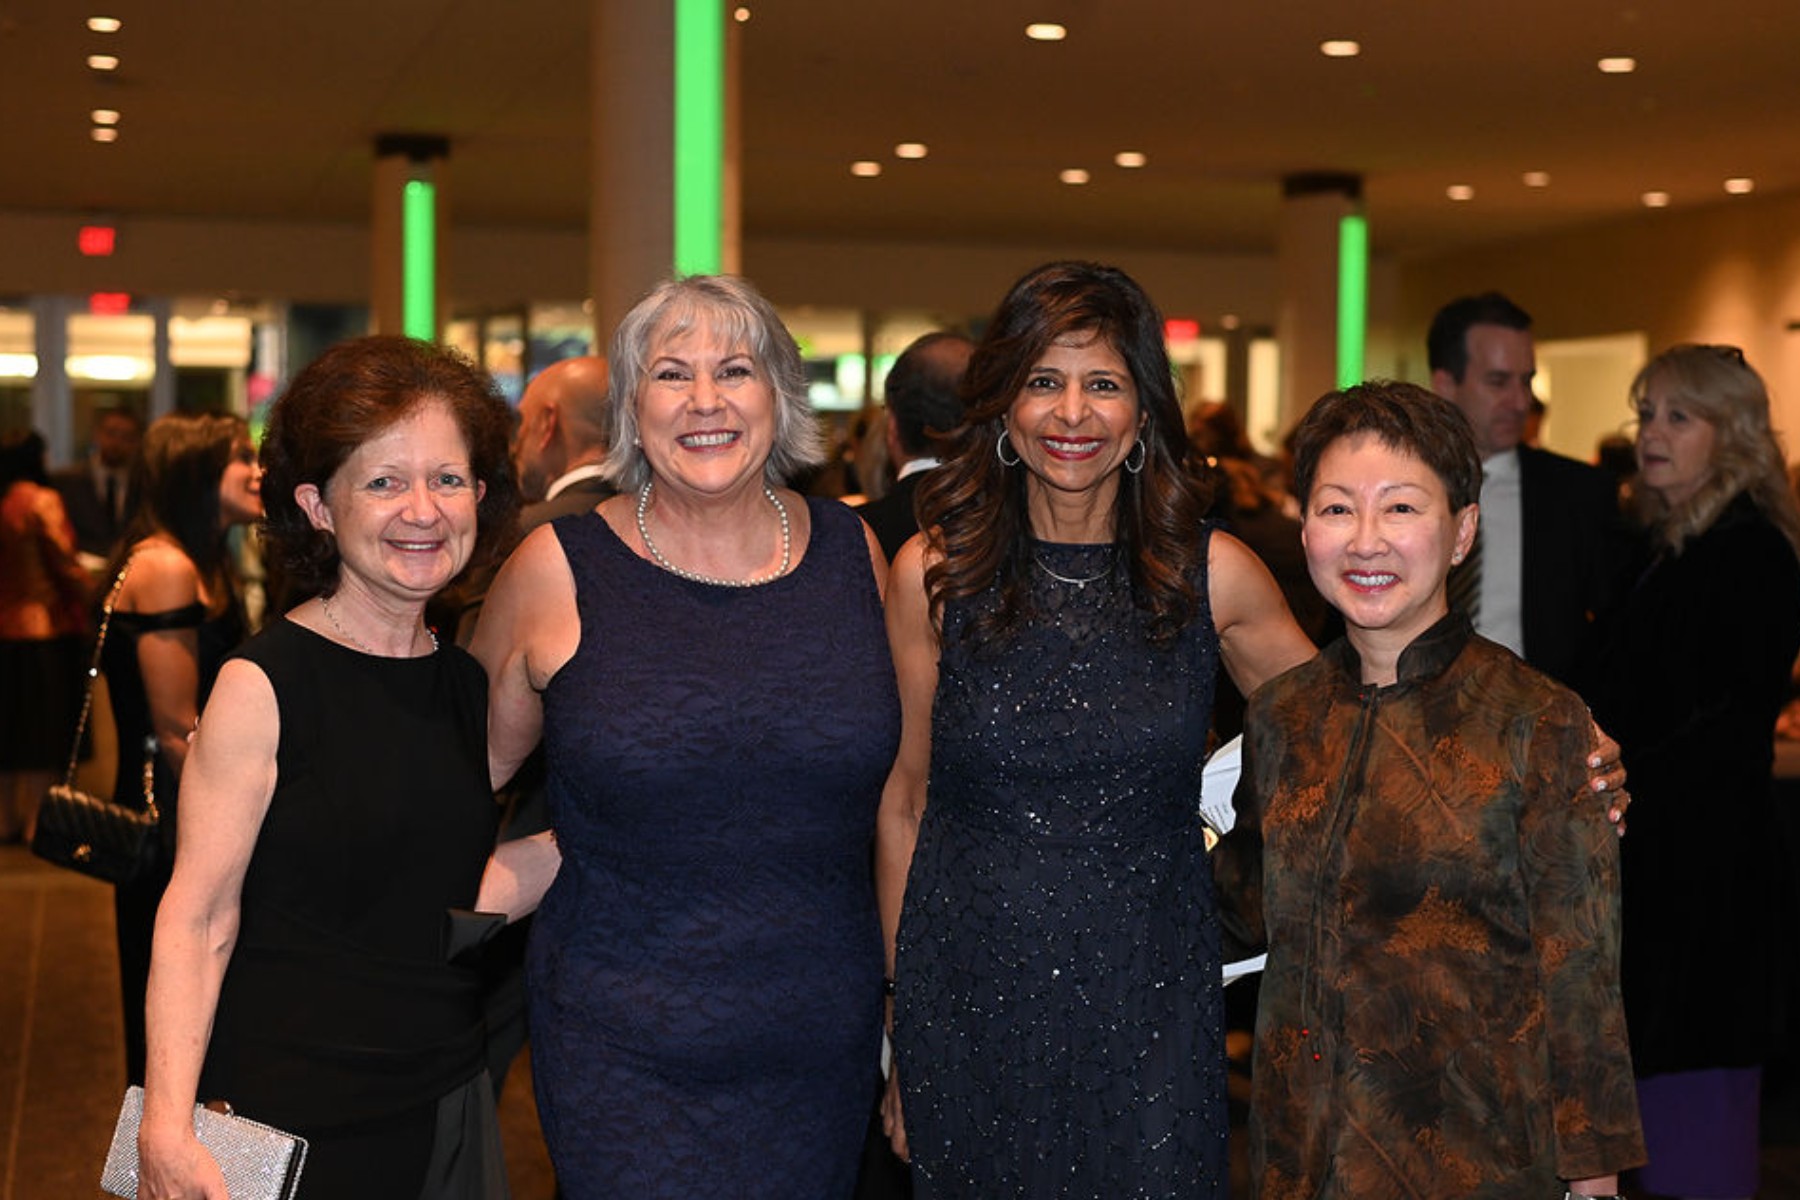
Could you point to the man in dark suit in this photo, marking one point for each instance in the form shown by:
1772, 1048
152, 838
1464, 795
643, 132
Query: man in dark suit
922, 402
100, 493
1551, 539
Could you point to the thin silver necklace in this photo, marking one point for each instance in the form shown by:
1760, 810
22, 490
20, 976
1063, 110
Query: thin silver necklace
1072, 581
325, 606
787, 544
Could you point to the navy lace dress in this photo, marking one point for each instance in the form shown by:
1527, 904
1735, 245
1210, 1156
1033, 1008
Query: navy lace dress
1059, 1021
705, 973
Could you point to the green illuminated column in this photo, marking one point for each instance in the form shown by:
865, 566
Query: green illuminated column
407, 218
1353, 298
1320, 314
699, 134
664, 197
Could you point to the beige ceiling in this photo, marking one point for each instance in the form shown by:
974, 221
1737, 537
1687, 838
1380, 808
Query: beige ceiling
268, 108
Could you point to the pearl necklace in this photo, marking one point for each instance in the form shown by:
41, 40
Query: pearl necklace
325, 607
787, 544
1111, 561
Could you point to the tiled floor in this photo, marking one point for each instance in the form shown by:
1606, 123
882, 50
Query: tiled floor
61, 1071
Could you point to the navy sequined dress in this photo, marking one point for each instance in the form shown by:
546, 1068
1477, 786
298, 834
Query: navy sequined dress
705, 973
1059, 1020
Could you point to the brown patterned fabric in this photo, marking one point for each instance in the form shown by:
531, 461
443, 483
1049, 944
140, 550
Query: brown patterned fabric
1440, 1014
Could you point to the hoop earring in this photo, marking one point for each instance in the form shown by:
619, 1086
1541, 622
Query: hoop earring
1000, 448
1142, 453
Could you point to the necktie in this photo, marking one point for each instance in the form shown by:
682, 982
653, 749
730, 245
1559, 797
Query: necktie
1464, 585
112, 497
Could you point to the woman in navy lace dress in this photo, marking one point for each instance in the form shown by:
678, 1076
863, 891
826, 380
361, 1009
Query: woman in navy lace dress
705, 658
1058, 1022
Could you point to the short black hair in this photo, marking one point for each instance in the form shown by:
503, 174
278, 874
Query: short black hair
923, 390
1404, 417
1447, 344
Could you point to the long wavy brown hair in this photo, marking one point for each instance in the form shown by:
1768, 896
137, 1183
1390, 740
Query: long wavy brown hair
974, 508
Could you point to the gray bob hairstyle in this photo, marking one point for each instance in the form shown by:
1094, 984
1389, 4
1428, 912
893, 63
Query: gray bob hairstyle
737, 314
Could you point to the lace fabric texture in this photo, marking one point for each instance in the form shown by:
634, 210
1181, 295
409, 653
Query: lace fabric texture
1059, 1015
705, 974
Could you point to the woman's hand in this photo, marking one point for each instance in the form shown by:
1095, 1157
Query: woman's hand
173, 1165
893, 1122
1606, 775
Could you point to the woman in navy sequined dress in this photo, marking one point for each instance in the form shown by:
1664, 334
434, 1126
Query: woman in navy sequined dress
1058, 1019
705, 657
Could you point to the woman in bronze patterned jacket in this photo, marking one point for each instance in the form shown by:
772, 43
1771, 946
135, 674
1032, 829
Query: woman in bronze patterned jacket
1441, 1011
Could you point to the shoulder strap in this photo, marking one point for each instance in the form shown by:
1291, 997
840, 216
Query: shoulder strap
87, 699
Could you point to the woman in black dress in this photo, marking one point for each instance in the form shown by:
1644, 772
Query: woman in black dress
338, 809
1692, 672
176, 616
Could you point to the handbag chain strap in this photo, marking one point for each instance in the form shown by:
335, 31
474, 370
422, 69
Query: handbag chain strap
87, 701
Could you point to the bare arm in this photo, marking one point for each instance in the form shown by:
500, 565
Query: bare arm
518, 874
1258, 638
162, 579
224, 796
915, 648
529, 628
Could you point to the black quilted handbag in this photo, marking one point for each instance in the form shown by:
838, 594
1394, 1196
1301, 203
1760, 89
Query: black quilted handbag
83, 832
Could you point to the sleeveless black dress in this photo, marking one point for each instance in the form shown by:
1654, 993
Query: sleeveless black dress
705, 973
340, 1017
1059, 1024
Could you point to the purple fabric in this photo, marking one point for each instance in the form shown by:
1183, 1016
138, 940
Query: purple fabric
1702, 1129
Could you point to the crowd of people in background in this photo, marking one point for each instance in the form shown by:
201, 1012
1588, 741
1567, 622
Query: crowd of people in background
860, 850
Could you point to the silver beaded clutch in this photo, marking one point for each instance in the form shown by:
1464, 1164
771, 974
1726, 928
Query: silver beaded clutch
259, 1163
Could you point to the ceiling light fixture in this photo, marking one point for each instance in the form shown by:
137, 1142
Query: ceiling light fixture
1046, 31
1340, 48
104, 24
1618, 65
1460, 191
103, 62
1130, 159
1074, 175
1740, 186
910, 150
865, 168
740, 14
1656, 199
104, 133
104, 116
1537, 179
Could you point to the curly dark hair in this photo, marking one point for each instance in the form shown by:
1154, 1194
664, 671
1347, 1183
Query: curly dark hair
975, 509
350, 394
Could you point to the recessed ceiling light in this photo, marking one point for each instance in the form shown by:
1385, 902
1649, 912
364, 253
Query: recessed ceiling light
104, 116
104, 133
1074, 175
1460, 191
1340, 48
1656, 199
1229, 321
910, 150
103, 62
1130, 158
1537, 179
104, 24
1740, 186
1046, 31
1619, 65
865, 168
740, 14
